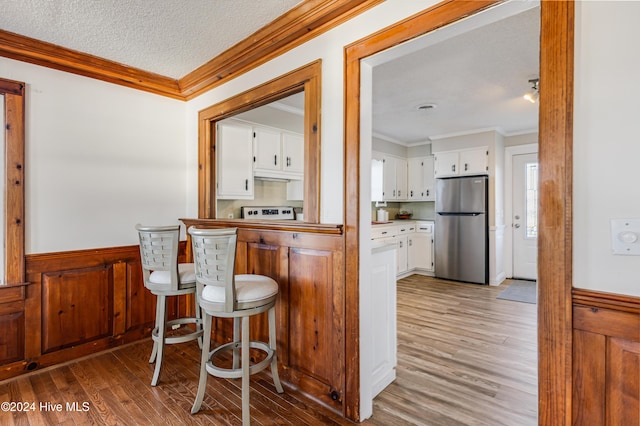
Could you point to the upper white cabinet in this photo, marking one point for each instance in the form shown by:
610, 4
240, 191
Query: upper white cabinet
235, 166
277, 154
377, 180
462, 162
267, 150
394, 176
293, 152
421, 180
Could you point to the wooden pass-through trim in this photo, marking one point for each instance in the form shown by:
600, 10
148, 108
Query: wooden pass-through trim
556, 168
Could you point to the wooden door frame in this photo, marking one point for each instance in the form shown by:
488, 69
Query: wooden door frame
305, 79
556, 169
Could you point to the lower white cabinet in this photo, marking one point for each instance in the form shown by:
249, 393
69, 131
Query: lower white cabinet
421, 248
383, 316
415, 245
403, 254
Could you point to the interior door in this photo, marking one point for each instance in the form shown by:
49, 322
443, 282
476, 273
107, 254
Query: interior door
525, 216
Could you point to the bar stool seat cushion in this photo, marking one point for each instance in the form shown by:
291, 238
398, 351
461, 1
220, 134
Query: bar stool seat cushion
186, 272
249, 288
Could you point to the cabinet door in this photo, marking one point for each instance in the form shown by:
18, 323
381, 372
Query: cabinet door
474, 161
403, 254
446, 164
233, 152
266, 149
415, 179
428, 185
420, 251
377, 180
389, 178
315, 314
401, 179
293, 153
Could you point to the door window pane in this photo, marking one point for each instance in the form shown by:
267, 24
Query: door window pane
531, 170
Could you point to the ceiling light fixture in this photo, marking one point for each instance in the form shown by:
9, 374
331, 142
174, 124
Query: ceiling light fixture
533, 95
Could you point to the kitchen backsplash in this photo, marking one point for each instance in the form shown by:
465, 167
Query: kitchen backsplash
266, 193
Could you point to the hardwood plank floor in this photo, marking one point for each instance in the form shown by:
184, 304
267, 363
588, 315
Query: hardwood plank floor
464, 358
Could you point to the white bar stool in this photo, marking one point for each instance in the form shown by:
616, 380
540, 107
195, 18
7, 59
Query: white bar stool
226, 295
164, 277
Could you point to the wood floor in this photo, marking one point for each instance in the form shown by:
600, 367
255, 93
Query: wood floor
464, 358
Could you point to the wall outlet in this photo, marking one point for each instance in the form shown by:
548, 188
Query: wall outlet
230, 216
625, 236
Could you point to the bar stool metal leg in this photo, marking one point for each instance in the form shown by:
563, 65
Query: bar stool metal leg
202, 383
272, 345
159, 343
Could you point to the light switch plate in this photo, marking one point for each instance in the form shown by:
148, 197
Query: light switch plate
625, 236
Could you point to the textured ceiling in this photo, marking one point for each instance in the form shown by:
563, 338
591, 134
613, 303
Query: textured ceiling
475, 72
167, 37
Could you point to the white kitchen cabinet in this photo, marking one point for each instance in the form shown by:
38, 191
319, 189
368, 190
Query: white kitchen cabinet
293, 152
277, 154
420, 251
414, 242
234, 146
462, 162
377, 180
382, 316
474, 161
266, 150
420, 186
295, 190
403, 254
394, 174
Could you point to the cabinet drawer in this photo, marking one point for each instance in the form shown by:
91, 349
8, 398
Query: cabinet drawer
426, 227
382, 232
406, 228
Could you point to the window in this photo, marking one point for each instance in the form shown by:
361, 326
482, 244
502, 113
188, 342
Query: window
531, 201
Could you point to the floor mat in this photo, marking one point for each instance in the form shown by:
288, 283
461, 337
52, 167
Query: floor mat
520, 291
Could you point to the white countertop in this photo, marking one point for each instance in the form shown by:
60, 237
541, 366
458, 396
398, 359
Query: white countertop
400, 222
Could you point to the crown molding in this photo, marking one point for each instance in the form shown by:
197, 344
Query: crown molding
26, 49
302, 23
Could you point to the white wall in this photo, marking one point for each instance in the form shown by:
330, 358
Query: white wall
606, 142
99, 158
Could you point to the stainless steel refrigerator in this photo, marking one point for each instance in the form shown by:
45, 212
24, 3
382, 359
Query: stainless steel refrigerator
462, 236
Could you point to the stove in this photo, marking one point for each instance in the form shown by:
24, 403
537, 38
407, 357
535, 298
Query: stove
267, 213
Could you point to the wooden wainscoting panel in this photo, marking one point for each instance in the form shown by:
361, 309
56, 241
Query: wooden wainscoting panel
623, 382
316, 321
588, 378
141, 304
11, 336
606, 359
77, 306
266, 259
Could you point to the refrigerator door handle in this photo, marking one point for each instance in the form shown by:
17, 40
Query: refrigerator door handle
459, 214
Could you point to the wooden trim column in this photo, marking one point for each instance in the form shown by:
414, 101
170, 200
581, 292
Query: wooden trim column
13, 92
555, 213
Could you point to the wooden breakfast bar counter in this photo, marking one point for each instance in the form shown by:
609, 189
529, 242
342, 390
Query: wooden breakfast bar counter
307, 261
